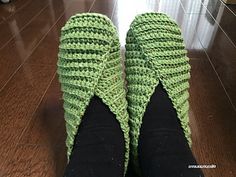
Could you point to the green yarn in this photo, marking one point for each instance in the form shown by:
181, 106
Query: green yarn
155, 53
89, 63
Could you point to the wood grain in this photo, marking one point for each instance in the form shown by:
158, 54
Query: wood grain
18, 50
33, 160
14, 24
47, 126
10, 9
18, 101
211, 121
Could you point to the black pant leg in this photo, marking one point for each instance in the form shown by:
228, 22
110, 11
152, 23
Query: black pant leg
163, 148
99, 145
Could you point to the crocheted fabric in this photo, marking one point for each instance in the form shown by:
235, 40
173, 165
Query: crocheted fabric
155, 53
90, 64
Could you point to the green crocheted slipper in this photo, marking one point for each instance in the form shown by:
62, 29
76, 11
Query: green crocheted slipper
155, 53
89, 63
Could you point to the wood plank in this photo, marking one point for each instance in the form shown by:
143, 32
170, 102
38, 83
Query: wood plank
17, 51
18, 101
232, 8
227, 22
8, 10
211, 120
46, 53
47, 126
42, 135
36, 161
14, 24
230, 1
51, 104
221, 53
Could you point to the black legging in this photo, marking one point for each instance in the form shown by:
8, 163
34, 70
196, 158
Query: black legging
163, 150
99, 146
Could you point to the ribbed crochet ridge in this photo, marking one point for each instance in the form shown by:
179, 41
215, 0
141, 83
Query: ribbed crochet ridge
155, 53
89, 63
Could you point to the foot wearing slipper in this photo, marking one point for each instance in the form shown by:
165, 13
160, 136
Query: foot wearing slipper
163, 149
155, 61
91, 77
99, 146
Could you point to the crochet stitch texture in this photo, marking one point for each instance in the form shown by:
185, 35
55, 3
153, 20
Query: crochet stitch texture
89, 63
155, 53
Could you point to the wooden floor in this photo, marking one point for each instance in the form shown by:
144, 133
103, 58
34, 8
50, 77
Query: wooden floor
32, 131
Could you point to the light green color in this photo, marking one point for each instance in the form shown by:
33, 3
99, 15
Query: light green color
89, 63
155, 53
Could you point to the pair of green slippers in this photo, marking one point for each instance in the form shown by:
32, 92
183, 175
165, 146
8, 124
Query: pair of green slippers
90, 64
